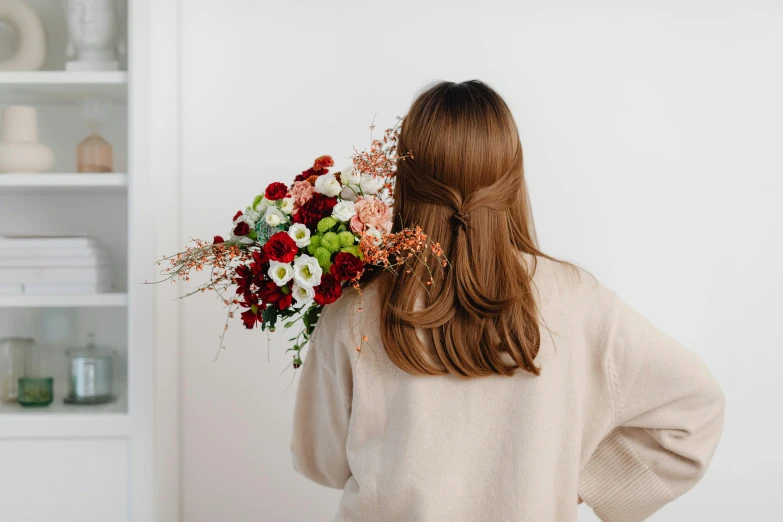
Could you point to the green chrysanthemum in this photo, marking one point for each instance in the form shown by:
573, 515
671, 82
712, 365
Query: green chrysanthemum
346, 238
326, 223
324, 258
331, 242
353, 249
315, 242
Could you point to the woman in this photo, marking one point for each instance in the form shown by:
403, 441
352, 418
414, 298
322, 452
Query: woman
512, 387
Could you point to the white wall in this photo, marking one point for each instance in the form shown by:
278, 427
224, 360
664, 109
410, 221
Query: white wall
652, 144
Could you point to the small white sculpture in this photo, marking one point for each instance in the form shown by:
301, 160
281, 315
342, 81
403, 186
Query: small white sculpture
31, 48
19, 147
93, 29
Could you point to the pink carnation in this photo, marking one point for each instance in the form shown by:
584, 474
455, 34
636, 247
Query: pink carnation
371, 212
302, 191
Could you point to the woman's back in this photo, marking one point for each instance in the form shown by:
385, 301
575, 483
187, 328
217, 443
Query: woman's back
620, 415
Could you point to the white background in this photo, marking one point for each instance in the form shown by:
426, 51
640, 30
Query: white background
652, 138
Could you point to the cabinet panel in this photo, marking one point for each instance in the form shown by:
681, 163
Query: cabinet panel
66, 480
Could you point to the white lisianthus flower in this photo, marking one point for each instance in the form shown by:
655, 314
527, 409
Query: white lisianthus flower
287, 205
350, 192
300, 234
344, 211
371, 184
262, 205
303, 294
274, 217
375, 234
350, 177
280, 273
307, 271
327, 185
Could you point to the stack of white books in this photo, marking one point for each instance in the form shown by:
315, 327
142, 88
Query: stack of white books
53, 266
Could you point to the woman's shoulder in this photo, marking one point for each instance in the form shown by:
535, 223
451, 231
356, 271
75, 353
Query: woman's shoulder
565, 283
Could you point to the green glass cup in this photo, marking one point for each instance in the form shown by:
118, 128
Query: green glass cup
35, 391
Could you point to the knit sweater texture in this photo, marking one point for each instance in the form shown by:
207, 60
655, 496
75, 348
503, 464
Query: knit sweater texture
621, 416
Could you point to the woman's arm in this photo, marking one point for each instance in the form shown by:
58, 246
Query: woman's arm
323, 410
668, 418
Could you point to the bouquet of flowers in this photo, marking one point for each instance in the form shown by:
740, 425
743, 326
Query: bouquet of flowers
295, 248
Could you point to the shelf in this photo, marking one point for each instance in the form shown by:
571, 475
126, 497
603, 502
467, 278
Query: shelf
61, 86
59, 420
63, 301
63, 182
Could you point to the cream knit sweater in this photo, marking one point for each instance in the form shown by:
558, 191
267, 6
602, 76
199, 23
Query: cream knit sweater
621, 415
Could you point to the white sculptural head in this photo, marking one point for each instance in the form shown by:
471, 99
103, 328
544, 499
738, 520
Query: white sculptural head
93, 27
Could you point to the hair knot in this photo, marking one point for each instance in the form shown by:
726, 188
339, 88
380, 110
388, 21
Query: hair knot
461, 220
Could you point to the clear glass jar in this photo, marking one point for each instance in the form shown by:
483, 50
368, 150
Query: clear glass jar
14, 352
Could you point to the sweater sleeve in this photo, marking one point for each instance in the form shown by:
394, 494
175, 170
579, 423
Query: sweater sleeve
668, 418
322, 411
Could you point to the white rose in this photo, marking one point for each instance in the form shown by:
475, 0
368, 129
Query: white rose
327, 185
287, 205
262, 205
371, 184
349, 176
344, 211
303, 294
252, 217
273, 216
375, 234
280, 273
307, 271
300, 234
350, 192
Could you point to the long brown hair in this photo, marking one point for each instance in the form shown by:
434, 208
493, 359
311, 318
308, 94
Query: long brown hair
464, 185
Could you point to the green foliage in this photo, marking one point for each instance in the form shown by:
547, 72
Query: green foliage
324, 258
326, 224
331, 242
346, 238
353, 249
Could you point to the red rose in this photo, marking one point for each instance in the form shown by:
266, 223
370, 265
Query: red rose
217, 240
346, 267
275, 191
281, 247
316, 208
242, 229
328, 291
308, 174
237, 215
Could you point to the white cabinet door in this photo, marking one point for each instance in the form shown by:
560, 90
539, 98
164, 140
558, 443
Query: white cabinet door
64, 480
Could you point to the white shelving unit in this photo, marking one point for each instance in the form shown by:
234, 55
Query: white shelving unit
63, 301
35, 87
89, 463
42, 182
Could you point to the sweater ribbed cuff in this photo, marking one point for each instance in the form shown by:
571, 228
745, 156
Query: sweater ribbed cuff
619, 486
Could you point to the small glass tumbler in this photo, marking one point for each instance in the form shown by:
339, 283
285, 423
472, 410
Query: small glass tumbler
36, 391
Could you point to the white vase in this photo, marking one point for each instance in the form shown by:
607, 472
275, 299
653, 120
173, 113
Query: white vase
19, 147
31, 47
